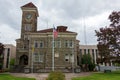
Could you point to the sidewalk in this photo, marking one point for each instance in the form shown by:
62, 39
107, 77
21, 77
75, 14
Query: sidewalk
69, 76
43, 76
37, 76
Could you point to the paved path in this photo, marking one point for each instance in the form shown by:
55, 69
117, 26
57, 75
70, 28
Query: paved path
68, 76
43, 76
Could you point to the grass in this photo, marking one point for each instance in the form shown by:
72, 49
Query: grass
101, 76
10, 77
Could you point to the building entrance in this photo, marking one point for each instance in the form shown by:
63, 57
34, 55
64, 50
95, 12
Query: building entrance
23, 60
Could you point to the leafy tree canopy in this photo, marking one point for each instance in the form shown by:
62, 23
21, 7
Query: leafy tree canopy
1, 55
109, 38
1, 48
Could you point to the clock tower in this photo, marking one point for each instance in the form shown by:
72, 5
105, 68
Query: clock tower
28, 25
29, 18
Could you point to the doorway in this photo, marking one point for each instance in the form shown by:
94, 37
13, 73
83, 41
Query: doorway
23, 60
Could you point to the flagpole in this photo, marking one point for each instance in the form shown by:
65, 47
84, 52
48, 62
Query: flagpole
32, 58
53, 50
32, 63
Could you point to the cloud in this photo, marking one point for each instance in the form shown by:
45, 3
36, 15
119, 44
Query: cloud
78, 8
8, 35
88, 25
95, 20
58, 12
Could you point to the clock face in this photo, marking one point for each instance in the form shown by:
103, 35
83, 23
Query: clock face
28, 16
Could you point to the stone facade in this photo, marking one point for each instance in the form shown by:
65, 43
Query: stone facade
9, 53
34, 48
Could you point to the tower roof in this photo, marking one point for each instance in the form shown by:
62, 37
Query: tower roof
29, 5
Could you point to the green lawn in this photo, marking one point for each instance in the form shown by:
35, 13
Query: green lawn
9, 77
101, 76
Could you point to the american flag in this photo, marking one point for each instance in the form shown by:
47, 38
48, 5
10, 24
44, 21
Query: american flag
55, 33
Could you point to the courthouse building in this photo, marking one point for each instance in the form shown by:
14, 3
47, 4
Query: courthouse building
34, 47
90, 49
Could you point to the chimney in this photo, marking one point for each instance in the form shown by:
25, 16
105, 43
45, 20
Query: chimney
61, 28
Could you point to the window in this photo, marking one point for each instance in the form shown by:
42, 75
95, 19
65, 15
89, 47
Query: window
88, 51
38, 57
84, 51
92, 51
36, 44
28, 27
66, 43
57, 44
69, 44
66, 57
41, 44
41, 57
25, 37
71, 58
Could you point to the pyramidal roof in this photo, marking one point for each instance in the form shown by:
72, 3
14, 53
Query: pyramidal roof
29, 5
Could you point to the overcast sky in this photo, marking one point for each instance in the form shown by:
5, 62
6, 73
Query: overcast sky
78, 15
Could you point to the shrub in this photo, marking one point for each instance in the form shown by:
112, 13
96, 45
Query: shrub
91, 67
56, 76
6, 70
1, 66
12, 61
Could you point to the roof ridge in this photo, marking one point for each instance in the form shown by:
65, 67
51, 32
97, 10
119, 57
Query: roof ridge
51, 29
30, 4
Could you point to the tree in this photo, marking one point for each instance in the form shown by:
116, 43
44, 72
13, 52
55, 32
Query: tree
1, 55
109, 39
86, 59
12, 62
103, 43
115, 37
87, 62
